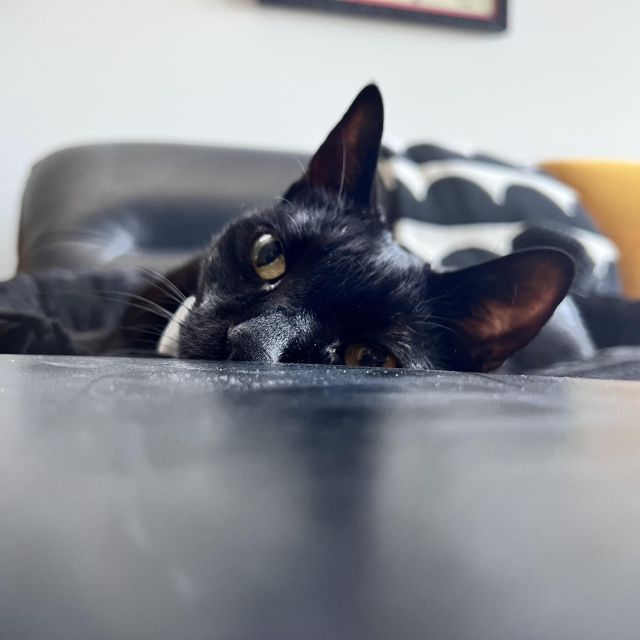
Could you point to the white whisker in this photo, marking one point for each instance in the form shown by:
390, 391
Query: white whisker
344, 167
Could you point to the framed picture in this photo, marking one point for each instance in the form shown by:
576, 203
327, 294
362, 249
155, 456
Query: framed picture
484, 15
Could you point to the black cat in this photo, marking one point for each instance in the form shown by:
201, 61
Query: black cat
318, 278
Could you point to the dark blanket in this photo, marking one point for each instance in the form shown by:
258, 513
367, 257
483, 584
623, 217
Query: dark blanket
62, 312
616, 363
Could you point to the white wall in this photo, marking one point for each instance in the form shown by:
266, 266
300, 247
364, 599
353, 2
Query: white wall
565, 79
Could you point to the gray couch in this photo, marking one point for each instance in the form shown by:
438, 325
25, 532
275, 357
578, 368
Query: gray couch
155, 205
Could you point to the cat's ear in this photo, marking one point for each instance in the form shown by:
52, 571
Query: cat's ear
345, 164
496, 308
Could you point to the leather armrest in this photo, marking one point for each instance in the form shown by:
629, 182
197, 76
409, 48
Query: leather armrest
141, 204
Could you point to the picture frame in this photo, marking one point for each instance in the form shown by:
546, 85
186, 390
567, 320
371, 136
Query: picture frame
480, 15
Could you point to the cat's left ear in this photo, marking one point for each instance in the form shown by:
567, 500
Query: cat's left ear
496, 308
345, 164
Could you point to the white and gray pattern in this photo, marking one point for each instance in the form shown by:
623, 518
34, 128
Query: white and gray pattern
453, 207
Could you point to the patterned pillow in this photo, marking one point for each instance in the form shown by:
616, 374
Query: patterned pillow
455, 209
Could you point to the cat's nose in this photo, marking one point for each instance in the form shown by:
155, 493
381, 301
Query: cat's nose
271, 338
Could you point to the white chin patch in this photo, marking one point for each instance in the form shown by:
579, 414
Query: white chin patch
170, 339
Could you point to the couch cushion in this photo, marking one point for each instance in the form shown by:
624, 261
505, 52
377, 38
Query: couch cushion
133, 204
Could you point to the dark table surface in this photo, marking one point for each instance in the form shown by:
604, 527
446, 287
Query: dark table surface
162, 499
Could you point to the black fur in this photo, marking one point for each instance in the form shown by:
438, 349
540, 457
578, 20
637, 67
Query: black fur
348, 281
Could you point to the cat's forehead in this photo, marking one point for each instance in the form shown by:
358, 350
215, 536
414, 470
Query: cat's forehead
352, 254
326, 222
335, 256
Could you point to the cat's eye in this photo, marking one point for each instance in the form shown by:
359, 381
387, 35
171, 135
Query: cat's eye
267, 256
368, 355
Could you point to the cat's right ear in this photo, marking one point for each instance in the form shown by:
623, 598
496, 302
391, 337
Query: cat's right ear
345, 164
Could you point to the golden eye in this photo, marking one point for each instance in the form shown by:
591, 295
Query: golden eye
367, 355
267, 256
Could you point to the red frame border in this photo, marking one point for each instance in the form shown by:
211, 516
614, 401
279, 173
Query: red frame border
442, 12
389, 11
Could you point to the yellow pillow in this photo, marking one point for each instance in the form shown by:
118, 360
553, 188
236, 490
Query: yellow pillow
610, 191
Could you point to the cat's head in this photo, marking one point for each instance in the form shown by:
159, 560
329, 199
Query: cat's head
318, 278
